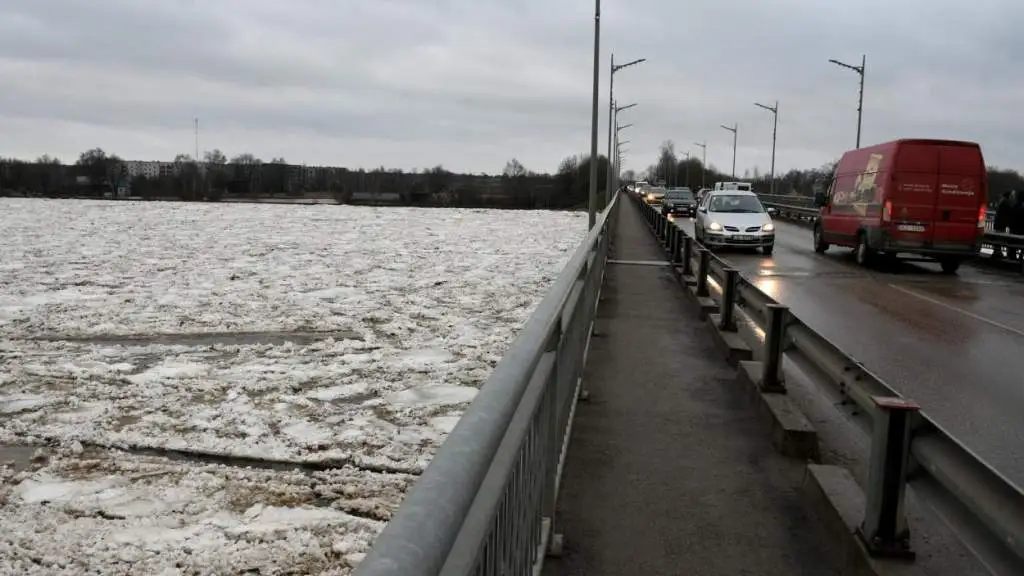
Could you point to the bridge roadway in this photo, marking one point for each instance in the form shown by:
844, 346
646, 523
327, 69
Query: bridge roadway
954, 344
668, 470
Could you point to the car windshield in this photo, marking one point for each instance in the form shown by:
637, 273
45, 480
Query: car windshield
735, 203
679, 195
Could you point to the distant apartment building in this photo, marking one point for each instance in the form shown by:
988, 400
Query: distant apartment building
150, 168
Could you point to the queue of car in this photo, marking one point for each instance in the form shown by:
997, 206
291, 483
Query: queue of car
728, 216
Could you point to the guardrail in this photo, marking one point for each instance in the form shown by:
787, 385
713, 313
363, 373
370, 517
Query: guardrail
485, 505
802, 209
907, 446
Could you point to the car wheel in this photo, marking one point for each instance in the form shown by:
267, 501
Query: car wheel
820, 246
949, 266
863, 252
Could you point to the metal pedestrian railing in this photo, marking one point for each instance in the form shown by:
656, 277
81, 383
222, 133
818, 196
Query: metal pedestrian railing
907, 447
486, 503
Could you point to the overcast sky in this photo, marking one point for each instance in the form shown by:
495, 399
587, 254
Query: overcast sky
470, 84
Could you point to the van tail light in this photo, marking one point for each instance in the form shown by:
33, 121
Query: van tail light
887, 211
981, 216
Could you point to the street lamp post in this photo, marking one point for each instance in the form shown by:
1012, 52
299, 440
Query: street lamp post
611, 116
703, 161
615, 120
592, 196
860, 99
735, 128
775, 127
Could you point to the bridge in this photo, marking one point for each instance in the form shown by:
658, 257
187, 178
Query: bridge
667, 410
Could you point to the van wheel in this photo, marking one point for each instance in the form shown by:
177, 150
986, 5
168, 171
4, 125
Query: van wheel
820, 246
949, 266
862, 252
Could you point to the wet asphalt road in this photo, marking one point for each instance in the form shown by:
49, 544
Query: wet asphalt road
954, 344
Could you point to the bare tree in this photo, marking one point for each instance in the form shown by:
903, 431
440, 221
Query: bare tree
514, 169
215, 156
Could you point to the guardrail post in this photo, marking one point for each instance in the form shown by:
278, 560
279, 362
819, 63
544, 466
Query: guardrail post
687, 256
728, 307
661, 225
677, 235
703, 268
884, 530
774, 345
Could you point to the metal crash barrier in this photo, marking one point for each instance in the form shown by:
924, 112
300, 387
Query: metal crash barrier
907, 447
485, 505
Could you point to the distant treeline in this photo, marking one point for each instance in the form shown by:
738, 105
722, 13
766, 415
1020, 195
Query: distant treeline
676, 171
98, 174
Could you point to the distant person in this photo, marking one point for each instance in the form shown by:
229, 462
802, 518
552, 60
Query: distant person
1001, 223
1016, 219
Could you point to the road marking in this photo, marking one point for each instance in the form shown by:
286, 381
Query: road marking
967, 313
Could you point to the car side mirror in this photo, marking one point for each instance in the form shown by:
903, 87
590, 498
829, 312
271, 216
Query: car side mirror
772, 211
820, 198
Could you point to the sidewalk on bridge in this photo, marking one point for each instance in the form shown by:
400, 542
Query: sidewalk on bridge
669, 471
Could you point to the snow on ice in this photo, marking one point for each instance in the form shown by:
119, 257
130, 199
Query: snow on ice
326, 336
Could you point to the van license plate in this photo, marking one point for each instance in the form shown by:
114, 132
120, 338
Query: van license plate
910, 228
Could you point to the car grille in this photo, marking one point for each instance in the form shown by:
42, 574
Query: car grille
732, 229
753, 228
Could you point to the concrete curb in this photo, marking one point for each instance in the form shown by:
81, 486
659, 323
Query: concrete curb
836, 499
736, 350
792, 434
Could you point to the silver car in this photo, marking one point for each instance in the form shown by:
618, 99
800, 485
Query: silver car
734, 218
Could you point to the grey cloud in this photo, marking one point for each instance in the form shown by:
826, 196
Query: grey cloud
470, 84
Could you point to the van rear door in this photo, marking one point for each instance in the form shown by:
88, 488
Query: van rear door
937, 190
910, 199
960, 196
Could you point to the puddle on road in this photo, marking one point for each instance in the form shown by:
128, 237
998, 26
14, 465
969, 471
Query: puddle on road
210, 338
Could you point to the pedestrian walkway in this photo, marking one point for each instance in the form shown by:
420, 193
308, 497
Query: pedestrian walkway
669, 471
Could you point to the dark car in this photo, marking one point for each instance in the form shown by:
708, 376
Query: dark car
679, 201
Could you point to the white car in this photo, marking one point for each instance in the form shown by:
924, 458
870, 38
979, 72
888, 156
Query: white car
734, 218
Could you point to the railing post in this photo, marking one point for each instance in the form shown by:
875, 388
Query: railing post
774, 345
687, 256
703, 268
674, 247
554, 445
728, 307
884, 530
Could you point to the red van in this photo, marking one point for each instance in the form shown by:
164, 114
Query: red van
923, 198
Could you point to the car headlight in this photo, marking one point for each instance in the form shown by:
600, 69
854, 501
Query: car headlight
715, 226
769, 227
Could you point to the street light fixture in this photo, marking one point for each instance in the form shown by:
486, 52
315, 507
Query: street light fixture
611, 113
703, 161
860, 99
775, 127
735, 128
592, 196
624, 126
613, 164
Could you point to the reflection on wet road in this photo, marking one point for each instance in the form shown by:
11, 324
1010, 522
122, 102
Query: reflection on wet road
954, 344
